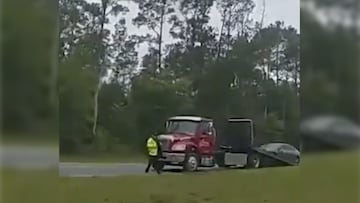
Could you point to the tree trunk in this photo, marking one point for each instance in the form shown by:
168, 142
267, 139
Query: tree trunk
228, 39
161, 34
96, 102
262, 14
296, 77
277, 65
221, 35
241, 32
268, 66
101, 59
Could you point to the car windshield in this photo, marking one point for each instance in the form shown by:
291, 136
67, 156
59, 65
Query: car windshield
272, 146
182, 127
344, 123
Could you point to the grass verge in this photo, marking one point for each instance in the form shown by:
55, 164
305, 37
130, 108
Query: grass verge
329, 178
30, 140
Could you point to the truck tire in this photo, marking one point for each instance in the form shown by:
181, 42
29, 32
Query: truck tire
253, 161
191, 162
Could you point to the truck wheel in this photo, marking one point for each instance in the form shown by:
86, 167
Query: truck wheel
253, 161
191, 162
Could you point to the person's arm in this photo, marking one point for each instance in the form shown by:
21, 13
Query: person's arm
146, 147
159, 146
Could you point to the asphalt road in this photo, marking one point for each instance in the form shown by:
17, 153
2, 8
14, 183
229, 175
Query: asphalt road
30, 157
107, 169
116, 169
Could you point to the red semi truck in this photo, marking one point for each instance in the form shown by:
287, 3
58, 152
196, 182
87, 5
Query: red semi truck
191, 142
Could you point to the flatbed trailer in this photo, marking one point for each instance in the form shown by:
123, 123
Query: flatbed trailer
200, 149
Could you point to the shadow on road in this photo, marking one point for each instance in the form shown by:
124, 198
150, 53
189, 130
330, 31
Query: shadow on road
199, 171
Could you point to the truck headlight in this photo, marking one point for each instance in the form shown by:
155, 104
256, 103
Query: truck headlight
178, 147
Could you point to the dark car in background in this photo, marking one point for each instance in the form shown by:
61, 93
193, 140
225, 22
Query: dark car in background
324, 133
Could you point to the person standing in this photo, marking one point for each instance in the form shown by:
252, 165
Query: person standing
153, 149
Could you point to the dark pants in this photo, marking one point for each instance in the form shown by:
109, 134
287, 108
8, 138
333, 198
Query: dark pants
154, 162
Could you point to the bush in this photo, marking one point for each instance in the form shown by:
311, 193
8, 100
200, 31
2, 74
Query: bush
274, 128
103, 141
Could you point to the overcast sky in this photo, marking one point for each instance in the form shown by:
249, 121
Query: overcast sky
283, 10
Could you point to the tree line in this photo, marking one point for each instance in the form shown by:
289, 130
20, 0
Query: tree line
109, 98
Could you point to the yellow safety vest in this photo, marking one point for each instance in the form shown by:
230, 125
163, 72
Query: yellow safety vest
152, 147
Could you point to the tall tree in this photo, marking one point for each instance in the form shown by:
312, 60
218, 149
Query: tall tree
292, 55
277, 50
270, 43
102, 11
235, 16
152, 14
124, 55
73, 19
197, 38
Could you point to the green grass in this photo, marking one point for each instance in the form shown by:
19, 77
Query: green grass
331, 178
104, 158
321, 178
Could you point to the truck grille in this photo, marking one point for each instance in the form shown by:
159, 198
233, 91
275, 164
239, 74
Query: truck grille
165, 145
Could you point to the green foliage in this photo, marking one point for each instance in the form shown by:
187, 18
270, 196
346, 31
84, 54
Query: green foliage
104, 141
26, 54
274, 128
76, 84
152, 101
200, 73
208, 71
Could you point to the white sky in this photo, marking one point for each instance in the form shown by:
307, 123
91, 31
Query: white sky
283, 10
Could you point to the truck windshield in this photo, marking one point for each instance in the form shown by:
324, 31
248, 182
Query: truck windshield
182, 127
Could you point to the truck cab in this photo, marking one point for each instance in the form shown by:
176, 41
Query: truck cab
188, 141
